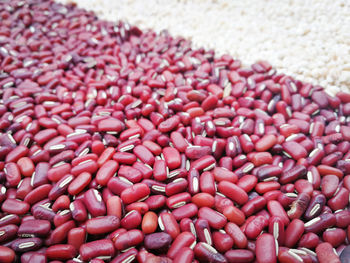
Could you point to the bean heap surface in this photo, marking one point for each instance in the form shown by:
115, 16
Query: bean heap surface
119, 145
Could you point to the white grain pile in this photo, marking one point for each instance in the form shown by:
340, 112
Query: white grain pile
309, 40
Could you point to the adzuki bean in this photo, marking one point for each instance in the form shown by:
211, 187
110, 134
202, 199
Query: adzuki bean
120, 145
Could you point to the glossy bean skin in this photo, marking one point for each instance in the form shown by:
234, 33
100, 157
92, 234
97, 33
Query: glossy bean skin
7, 255
205, 252
26, 244
239, 238
185, 256
157, 241
167, 222
215, 219
293, 232
102, 225
14, 206
185, 239
320, 223
97, 248
255, 226
239, 255
266, 248
149, 222
234, 192
129, 239
94, 203
39, 228
334, 236
61, 252
76, 237
222, 241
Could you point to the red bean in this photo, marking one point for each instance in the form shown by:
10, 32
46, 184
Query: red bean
277, 210
239, 256
102, 225
183, 240
167, 223
60, 233
205, 252
255, 226
325, 253
265, 143
94, 203
61, 252
8, 232
76, 237
131, 220
128, 239
266, 248
334, 236
38, 194
186, 256
234, 192
7, 255
340, 199
240, 240
13, 174
21, 245
293, 232
14, 206
26, 166
106, 171
320, 223
135, 193
39, 228
157, 241
98, 248
124, 257
149, 222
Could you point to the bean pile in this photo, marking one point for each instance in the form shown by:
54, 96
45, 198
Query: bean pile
118, 145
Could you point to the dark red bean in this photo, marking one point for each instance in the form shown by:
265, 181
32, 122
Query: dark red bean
320, 223
40, 228
26, 244
61, 252
239, 256
8, 232
344, 255
98, 248
157, 241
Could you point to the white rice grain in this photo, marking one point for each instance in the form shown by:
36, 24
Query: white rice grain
309, 40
